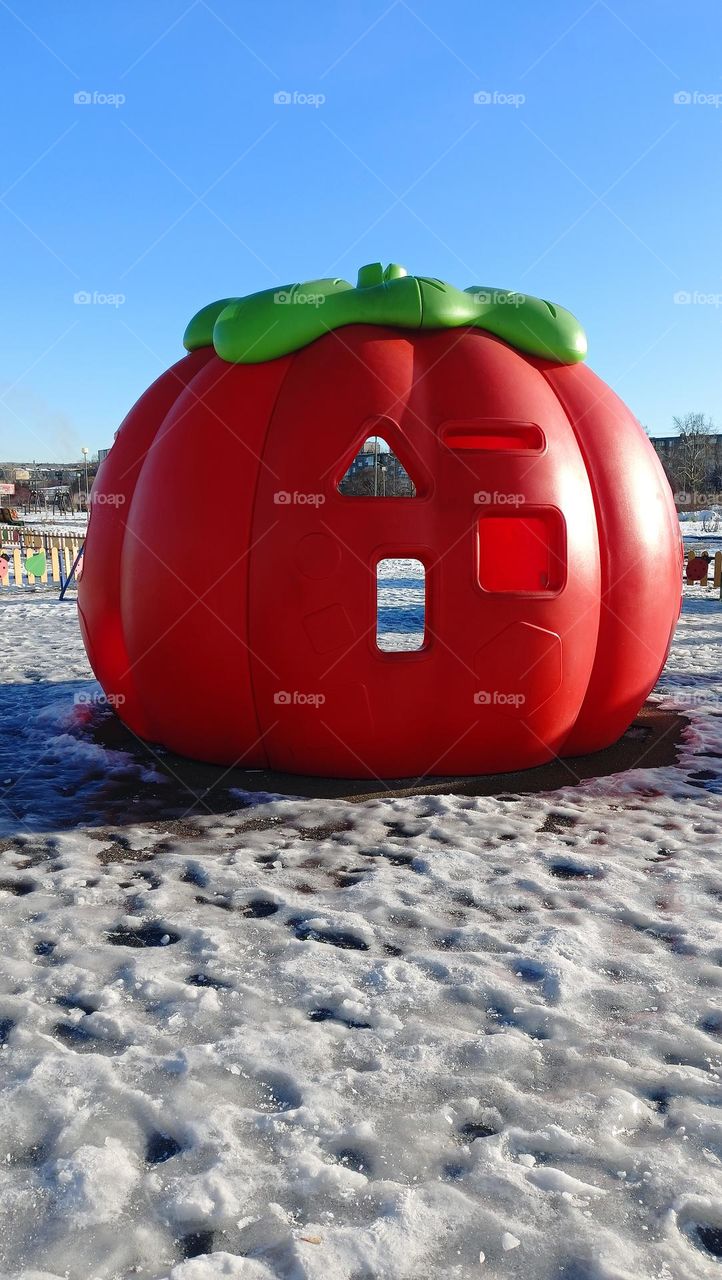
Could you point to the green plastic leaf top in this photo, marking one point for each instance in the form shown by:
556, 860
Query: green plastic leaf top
275, 322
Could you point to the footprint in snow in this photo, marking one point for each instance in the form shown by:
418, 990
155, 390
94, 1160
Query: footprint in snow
404, 830
536, 974
220, 900
30, 1157
192, 875
86, 1004
671, 937
259, 909
161, 1147
205, 980
710, 1237
711, 1024
305, 932
557, 823
74, 1036
324, 1014
151, 879
661, 1098
277, 1092
355, 1158
151, 934
196, 1244
349, 879
530, 1021
19, 888
567, 869
703, 1232
473, 1130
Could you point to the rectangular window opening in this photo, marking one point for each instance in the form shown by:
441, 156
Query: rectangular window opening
400, 605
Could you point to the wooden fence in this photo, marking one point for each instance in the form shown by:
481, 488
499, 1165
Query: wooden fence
20, 544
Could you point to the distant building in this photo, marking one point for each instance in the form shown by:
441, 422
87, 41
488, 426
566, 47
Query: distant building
693, 466
102, 454
376, 472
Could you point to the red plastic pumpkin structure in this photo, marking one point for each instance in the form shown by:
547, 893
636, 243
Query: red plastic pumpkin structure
541, 516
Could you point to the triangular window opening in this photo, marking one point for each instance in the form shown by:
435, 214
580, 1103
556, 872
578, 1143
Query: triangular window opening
376, 472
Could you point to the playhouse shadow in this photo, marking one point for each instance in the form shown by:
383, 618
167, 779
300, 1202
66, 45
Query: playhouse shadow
651, 741
66, 764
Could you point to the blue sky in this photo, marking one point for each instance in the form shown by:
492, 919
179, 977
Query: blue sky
597, 190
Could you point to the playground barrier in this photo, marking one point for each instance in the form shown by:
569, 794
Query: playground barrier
711, 577
52, 556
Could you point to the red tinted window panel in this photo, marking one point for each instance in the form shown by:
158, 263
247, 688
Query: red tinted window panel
522, 551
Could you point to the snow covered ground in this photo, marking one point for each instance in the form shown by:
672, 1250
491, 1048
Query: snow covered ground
398, 1040
702, 524
73, 522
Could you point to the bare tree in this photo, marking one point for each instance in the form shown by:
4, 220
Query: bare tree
695, 453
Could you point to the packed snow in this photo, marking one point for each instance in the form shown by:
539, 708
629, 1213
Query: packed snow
314, 1040
64, 521
705, 525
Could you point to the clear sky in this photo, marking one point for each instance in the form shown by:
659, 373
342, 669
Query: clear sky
582, 180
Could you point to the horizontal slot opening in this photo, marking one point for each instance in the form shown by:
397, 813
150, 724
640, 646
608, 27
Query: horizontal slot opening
400, 605
493, 435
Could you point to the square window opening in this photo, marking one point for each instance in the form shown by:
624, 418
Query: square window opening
522, 553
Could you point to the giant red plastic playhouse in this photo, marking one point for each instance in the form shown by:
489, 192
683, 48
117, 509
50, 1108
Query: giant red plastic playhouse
541, 515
